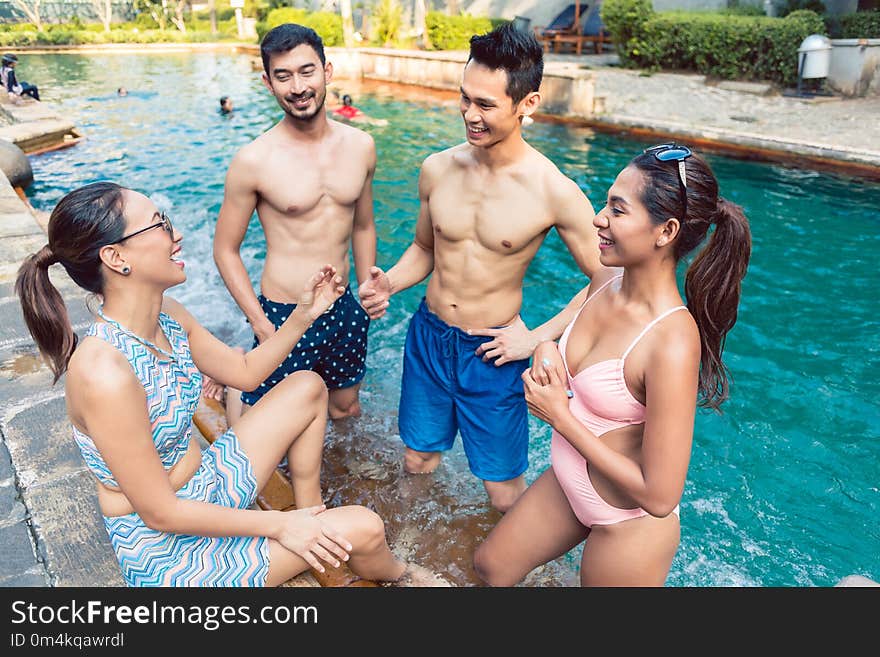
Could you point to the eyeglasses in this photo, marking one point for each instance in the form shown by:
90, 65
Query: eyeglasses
675, 153
165, 222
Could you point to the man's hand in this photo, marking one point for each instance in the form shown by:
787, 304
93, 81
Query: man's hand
513, 342
375, 293
320, 292
263, 330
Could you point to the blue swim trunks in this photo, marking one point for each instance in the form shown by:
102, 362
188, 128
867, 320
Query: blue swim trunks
335, 346
447, 388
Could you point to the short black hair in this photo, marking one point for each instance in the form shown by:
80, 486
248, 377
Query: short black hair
9, 57
516, 52
346, 99
286, 37
223, 100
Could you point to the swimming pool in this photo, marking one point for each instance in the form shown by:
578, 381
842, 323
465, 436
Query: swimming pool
782, 489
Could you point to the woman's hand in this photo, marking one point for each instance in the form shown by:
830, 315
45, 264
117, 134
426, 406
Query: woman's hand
546, 358
513, 342
305, 534
320, 291
546, 402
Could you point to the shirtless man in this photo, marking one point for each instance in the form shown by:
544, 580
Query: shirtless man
310, 181
486, 207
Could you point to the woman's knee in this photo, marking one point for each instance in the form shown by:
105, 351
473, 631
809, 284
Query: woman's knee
306, 386
368, 531
490, 568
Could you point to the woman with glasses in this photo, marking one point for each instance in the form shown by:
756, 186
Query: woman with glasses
177, 516
621, 388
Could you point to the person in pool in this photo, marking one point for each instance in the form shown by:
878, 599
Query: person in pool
176, 515
349, 112
485, 208
309, 214
637, 361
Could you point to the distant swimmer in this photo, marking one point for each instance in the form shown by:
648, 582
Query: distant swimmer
225, 105
351, 113
122, 91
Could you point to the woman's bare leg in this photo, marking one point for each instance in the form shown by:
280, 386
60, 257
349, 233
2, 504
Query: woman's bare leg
291, 418
538, 528
370, 556
636, 552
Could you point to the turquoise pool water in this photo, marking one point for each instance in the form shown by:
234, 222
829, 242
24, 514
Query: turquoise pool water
782, 488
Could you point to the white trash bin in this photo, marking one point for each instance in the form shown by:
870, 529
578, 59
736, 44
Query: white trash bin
814, 57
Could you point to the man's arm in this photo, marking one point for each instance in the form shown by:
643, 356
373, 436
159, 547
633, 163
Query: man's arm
416, 262
574, 223
239, 203
363, 235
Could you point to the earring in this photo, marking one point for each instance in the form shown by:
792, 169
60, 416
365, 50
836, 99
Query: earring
126, 270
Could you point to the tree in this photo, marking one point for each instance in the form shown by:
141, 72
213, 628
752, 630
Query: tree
347, 23
212, 8
31, 9
177, 19
104, 10
452, 7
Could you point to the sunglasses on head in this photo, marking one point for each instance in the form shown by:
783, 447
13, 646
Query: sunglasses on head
164, 221
674, 153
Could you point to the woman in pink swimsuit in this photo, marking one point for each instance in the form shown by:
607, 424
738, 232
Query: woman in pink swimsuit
621, 388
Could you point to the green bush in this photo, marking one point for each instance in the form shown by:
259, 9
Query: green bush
624, 20
327, 24
860, 25
454, 32
792, 6
727, 47
386, 22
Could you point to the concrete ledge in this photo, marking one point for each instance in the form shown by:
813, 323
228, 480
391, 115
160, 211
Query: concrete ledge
35, 128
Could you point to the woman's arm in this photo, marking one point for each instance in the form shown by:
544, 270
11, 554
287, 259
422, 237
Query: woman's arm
671, 378
111, 403
246, 371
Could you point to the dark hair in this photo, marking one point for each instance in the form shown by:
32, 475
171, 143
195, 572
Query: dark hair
286, 37
346, 100
713, 280
516, 52
223, 100
9, 57
83, 222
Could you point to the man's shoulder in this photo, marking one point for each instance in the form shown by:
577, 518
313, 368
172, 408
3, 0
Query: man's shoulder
453, 155
553, 180
352, 135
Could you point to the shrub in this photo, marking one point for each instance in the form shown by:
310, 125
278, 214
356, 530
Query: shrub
454, 32
327, 24
624, 20
860, 25
387, 20
729, 47
792, 6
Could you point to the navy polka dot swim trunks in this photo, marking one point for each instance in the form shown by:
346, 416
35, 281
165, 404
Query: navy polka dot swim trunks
335, 346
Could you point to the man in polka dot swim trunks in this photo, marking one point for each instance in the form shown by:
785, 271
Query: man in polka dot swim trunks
309, 180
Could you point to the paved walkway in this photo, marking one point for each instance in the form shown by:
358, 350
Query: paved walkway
819, 131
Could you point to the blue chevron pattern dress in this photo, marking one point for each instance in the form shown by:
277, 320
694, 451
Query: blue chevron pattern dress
151, 558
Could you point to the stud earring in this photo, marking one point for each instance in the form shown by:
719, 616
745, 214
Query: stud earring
126, 270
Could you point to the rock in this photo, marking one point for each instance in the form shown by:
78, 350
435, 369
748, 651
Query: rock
15, 164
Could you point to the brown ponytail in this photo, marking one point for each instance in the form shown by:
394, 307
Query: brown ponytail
713, 280
82, 223
44, 311
712, 287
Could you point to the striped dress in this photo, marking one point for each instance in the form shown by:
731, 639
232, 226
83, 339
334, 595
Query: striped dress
151, 558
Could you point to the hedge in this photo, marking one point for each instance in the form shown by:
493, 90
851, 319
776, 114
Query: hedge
327, 24
454, 32
861, 25
723, 46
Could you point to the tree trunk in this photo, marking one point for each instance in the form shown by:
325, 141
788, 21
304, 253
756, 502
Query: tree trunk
32, 11
347, 23
108, 15
212, 7
452, 7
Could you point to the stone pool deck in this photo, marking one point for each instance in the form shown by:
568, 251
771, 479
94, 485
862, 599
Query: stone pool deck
51, 532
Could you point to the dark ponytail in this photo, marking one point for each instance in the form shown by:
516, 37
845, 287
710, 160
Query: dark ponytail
82, 223
713, 280
712, 288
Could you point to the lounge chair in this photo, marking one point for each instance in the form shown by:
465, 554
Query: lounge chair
562, 25
593, 31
